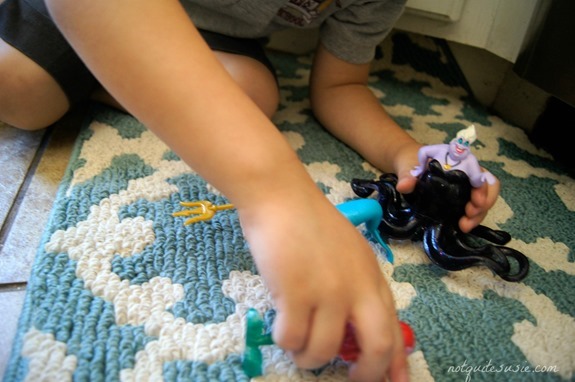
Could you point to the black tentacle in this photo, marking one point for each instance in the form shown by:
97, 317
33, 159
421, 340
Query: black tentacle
399, 221
445, 247
494, 236
522, 264
364, 188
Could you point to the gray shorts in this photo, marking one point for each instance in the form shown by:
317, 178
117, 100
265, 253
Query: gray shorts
27, 26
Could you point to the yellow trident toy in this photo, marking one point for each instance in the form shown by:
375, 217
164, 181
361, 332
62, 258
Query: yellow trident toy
203, 210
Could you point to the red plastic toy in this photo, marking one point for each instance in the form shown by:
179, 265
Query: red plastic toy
350, 350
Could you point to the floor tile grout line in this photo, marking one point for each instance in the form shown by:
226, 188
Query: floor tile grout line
21, 193
13, 287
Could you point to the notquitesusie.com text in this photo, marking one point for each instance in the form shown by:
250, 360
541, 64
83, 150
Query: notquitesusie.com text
490, 367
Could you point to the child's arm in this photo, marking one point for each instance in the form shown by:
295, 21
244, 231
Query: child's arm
345, 105
320, 270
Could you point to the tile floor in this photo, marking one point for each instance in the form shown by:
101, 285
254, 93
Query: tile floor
31, 167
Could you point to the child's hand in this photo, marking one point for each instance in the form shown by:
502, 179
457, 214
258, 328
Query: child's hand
482, 198
322, 273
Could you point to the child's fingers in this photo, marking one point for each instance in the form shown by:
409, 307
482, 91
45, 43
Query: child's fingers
475, 209
482, 199
406, 184
479, 195
405, 181
492, 193
474, 215
373, 322
291, 327
398, 367
325, 337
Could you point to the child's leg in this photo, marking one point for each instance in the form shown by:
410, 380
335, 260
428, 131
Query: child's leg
246, 61
29, 97
40, 75
254, 78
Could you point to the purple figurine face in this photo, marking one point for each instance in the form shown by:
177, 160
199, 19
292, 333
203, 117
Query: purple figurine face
459, 146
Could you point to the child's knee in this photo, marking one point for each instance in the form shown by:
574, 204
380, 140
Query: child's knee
266, 98
264, 92
28, 108
29, 97
260, 85
255, 79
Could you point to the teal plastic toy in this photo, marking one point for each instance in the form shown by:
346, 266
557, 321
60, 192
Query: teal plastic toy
366, 211
256, 336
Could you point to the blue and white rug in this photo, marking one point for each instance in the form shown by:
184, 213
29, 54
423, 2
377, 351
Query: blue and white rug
122, 291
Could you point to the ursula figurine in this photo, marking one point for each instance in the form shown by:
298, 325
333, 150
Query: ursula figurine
456, 156
446, 174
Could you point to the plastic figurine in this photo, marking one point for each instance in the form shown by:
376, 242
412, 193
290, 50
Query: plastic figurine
456, 156
256, 336
432, 211
204, 210
366, 211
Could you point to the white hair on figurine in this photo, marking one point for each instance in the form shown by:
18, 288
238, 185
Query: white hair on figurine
468, 134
